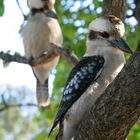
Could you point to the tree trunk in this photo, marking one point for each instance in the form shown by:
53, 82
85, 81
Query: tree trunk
114, 7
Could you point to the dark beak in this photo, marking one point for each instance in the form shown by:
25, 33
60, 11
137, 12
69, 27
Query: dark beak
120, 43
51, 14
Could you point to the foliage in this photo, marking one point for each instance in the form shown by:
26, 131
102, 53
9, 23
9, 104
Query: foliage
1, 7
16, 123
135, 132
74, 17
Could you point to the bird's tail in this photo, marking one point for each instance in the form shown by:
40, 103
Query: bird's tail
54, 125
42, 93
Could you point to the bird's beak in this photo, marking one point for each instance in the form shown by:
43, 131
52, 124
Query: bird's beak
120, 43
51, 13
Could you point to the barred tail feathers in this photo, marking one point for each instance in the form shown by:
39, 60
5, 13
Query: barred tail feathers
42, 93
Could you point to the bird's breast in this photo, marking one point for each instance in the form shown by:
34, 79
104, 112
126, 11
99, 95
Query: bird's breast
38, 34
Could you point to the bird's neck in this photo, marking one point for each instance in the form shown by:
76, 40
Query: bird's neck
35, 11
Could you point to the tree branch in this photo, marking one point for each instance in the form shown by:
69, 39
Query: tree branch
7, 58
17, 105
24, 16
5, 105
65, 53
117, 109
55, 50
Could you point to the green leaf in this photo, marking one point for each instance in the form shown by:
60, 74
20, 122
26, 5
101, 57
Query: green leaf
1, 7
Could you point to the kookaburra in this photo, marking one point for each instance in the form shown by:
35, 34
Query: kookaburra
103, 60
40, 31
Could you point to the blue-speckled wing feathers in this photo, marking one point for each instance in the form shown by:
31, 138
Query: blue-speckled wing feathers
87, 70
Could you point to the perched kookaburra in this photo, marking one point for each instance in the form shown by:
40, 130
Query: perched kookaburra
40, 31
103, 60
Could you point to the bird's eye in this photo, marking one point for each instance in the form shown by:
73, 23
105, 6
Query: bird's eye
105, 34
92, 35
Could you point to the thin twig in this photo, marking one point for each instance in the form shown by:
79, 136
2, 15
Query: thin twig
17, 105
25, 17
6, 105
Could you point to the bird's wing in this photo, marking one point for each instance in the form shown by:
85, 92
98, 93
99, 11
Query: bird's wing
87, 70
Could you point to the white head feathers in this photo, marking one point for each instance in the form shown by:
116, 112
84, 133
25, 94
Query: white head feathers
107, 24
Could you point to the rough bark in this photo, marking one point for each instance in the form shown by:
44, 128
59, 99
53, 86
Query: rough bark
114, 7
117, 109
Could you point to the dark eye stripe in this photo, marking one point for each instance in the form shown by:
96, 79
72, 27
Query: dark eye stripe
92, 35
104, 34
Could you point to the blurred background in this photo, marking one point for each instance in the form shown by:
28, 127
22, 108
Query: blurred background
20, 117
